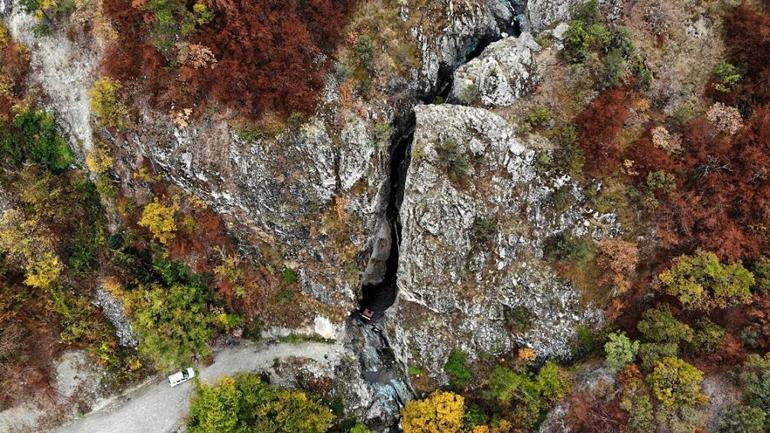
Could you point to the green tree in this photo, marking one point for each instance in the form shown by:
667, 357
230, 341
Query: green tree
728, 77
641, 416
761, 271
739, 418
247, 404
503, 384
360, 428
33, 137
456, 368
709, 337
174, 324
651, 353
553, 383
577, 42
524, 397
659, 325
701, 282
676, 384
619, 351
754, 379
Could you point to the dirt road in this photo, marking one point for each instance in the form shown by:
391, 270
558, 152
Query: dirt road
159, 408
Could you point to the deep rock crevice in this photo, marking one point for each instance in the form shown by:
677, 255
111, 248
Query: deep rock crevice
380, 366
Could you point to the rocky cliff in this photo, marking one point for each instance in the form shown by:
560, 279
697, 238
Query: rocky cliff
475, 217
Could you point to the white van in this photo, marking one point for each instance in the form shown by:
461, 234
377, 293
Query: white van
181, 376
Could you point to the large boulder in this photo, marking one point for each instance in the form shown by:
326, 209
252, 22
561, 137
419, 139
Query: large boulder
476, 216
504, 72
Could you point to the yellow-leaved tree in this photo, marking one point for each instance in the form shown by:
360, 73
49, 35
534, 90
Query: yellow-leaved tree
28, 245
159, 220
441, 412
106, 104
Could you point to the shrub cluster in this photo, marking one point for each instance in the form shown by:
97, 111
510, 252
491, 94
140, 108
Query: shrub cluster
246, 403
266, 52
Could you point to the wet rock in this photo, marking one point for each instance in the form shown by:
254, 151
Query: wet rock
476, 217
386, 384
505, 71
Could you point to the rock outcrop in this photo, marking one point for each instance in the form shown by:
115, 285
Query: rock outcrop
545, 13
504, 72
476, 216
63, 69
470, 25
317, 192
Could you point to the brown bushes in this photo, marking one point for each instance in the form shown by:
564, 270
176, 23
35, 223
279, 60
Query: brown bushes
598, 127
724, 204
747, 36
268, 55
14, 66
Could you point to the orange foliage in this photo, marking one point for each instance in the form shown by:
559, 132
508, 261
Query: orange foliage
267, 55
724, 203
598, 127
589, 413
14, 66
747, 36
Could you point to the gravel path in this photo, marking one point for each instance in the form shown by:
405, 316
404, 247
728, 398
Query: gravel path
158, 408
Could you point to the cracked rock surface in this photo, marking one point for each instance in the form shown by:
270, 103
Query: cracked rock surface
475, 219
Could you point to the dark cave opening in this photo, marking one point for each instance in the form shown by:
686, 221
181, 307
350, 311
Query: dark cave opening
379, 297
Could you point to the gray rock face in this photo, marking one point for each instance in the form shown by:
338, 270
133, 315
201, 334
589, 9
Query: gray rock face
63, 69
504, 72
280, 190
475, 217
470, 22
545, 13
6, 7
114, 312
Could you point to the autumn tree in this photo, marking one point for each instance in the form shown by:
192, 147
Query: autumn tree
441, 412
106, 104
677, 383
745, 35
701, 282
246, 403
618, 260
160, 220
266, 52
30, 246
598, 127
